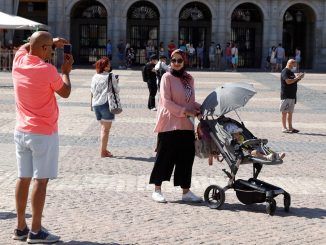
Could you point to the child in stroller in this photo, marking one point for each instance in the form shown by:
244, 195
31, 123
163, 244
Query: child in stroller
260, 152
215, 139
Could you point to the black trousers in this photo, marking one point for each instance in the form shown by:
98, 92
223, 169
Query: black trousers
174, 148
152, 87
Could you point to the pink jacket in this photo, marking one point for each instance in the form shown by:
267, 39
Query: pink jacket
172, 105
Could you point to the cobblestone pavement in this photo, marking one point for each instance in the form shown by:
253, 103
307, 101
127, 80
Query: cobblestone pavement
108, 201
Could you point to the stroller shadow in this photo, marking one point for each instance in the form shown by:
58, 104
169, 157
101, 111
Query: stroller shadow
142, 159
310, 213
11, 215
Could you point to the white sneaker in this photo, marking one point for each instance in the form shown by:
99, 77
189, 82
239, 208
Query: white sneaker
157, 196
154, 109
191, 197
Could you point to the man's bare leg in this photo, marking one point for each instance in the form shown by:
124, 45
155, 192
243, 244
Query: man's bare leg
21, 195
38, 200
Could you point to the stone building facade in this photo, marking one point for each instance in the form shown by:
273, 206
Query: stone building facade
254, 25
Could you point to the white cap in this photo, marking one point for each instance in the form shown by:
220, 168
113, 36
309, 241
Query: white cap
232, 128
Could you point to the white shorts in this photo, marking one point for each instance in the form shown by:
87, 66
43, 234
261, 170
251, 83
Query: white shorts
37, 155
287, 105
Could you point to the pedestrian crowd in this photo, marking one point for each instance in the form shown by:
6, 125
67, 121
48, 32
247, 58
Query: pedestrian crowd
216, 57
277, 57
36, 83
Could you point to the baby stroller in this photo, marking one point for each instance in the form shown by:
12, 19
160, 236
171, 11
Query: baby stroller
224, 99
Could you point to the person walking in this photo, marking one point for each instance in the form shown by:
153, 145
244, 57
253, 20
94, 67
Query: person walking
297, 58
235, 56
109, 50
289, 87
211, 56
150, 77
99, 91
175, 128
228, 56
121, 54
219, 54
36, 132
280, 57
200, 56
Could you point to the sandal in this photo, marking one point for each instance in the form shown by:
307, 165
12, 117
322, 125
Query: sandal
106, 154
295, 130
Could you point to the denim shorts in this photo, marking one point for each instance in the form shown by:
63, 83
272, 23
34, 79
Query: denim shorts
103, 113
37, 155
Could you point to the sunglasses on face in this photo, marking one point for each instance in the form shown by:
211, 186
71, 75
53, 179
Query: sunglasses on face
179, 61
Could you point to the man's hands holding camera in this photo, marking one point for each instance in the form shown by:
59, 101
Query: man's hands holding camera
68, 60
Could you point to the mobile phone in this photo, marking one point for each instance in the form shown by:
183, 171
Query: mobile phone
67, 49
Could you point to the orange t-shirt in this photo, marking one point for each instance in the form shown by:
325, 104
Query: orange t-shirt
35, 83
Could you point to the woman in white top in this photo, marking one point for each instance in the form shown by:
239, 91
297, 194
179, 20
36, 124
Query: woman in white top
99, 91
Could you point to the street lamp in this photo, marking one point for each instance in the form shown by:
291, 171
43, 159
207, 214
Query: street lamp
298, 16
30, 7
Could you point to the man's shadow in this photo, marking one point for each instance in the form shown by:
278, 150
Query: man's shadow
11, 215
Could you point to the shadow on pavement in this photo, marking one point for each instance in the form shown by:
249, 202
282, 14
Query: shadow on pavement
88, 243
310, 213
189, 203
142, 159
10, 215
312, 134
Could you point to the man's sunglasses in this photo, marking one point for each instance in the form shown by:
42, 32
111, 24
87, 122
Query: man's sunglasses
47, 45
179, 61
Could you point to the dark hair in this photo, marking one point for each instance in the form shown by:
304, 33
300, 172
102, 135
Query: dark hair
101, 64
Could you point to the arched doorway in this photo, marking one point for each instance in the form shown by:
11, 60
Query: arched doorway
247, 33
299, 32
88, 31
142, 28
195, 24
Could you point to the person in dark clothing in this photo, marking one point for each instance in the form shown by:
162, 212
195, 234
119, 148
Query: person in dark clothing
150, 77
289, 94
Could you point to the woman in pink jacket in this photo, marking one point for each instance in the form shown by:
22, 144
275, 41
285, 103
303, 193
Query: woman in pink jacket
175, 128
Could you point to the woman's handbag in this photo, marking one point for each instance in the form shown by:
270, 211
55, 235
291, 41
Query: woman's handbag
113, 98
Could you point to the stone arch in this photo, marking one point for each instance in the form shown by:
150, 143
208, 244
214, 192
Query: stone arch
262, 9
284, 7
89, 21
127, 6
185, 2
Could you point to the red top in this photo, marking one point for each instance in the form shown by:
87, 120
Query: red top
35, 83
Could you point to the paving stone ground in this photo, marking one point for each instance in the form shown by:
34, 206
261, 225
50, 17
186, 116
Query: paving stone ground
108, 201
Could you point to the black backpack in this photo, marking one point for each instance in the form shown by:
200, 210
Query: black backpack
144, 74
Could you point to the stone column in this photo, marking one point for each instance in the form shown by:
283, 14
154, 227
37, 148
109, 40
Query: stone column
222, 24
319, 62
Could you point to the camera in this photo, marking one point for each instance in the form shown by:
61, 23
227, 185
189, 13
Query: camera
67, 49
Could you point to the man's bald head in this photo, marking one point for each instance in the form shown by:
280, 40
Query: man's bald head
41, 43
291, 63
40, 38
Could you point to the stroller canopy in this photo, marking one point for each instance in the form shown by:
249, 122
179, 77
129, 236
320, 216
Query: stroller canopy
226, 98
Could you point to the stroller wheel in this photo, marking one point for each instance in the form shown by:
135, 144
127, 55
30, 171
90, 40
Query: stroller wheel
287, 202
271, 206
214, 196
